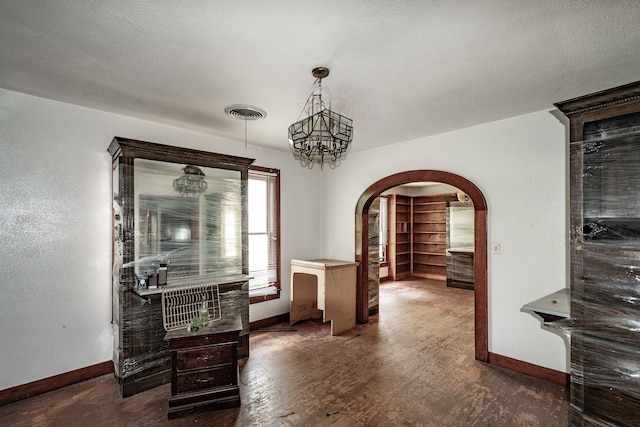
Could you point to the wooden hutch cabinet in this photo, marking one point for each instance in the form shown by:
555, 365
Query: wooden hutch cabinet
605, 256
179, 216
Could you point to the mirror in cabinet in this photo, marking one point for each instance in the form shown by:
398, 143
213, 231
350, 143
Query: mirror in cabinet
188, 235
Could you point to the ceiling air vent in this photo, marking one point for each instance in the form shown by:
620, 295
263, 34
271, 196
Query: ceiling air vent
245, 112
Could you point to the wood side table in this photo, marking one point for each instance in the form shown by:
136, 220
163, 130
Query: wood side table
324, 288
204, 367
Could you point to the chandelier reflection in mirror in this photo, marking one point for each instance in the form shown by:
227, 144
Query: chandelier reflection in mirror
323, 136
191, 183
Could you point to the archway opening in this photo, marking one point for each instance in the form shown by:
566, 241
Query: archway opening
480, 243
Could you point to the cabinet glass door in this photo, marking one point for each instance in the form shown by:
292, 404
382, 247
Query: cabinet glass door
611, 182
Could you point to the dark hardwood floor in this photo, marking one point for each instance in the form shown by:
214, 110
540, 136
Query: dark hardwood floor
411, 365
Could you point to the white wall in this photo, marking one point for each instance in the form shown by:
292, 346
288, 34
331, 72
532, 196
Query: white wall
56, 233
520, 166
55, 228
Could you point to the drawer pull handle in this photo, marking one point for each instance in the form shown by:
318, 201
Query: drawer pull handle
204, 380
205, 358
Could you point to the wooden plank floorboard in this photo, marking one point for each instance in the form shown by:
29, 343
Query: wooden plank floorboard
411, 365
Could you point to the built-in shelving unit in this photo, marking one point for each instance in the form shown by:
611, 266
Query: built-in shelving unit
429, 237
399, 237
418, 237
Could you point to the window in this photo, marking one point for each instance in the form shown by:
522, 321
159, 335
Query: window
264, 233
383, 230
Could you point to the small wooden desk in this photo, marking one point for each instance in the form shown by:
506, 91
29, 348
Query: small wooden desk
324, 288
204, 367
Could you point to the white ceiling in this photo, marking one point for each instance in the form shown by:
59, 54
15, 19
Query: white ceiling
399, 69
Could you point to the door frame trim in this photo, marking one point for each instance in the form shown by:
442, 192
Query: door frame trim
480, 242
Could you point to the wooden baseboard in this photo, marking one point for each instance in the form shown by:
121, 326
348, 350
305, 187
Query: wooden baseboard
430, 276
269, 321
24, 391
57, 381
399, 276
529, 369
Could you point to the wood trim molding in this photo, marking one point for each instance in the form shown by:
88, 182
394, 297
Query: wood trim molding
278, 283
532, 370
480, 239
609, 98
263, 298
269, 321
44, 385
170, 153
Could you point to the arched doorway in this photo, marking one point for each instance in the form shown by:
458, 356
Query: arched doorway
480, 241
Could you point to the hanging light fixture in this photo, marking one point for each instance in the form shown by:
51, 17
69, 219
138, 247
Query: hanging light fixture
323, 136
191, 183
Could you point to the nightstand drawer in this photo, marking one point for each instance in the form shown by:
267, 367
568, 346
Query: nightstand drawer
204, 357
204, 367
207, 379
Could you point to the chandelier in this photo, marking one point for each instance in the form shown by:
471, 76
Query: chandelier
323, 136
191, 183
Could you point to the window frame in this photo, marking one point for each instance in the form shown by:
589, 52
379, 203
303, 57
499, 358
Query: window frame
276, 222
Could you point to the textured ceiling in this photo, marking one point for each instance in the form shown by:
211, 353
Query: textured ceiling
399, 69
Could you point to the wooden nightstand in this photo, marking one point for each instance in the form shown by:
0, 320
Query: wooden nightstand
204, 367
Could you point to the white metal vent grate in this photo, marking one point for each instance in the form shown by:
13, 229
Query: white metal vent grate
181, 304
245, 112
